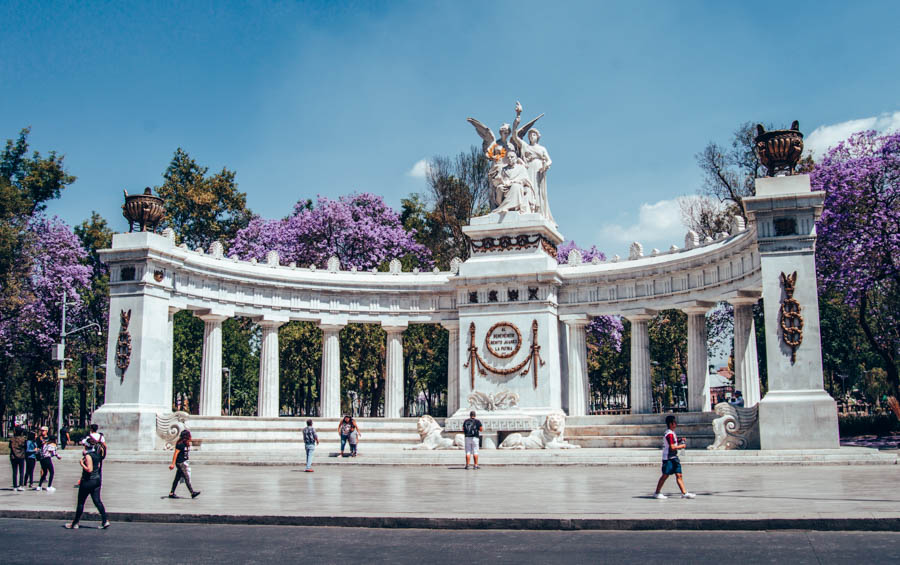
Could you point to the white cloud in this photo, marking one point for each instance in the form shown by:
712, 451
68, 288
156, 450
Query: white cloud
825, 137
419, 170
658, 225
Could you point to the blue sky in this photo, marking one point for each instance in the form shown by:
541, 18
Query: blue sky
303, 99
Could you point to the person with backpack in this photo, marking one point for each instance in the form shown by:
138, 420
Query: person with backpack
100, 445
310, 441
17, 458
180, 460
90, 484
48, 452
472, 429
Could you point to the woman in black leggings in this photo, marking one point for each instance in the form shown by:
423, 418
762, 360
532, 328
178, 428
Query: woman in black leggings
90, 485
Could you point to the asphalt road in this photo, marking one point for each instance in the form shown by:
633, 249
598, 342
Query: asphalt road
46, 541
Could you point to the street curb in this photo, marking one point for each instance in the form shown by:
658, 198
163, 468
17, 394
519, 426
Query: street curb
448, 523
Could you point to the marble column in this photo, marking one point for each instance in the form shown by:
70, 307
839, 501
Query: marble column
267, 400
579, 387
452, 366
393, 372
641, 383
330, 389
211, 370
169, 382
746, 364
698, 394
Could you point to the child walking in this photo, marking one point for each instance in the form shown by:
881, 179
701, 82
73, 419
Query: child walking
48, 452
671, 465
180, 460
32, 449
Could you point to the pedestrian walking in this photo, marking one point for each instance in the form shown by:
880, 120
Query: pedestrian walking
180, 460
90, 485
64, 438
31, 453
472, 429
48, 452
17, 458
671, 465
310, 441
344, 429
354, 437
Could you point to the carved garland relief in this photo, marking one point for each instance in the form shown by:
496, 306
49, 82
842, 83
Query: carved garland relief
515, 243
123, 345
530, 363
791, 319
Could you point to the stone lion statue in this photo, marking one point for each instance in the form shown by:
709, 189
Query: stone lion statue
548, 436
430, 434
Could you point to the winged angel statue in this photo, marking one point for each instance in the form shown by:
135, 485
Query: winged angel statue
518, 172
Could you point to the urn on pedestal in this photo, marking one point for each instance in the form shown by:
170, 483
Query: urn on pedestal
144, 209
779, 150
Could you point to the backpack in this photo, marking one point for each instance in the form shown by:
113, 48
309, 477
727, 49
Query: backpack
470, 428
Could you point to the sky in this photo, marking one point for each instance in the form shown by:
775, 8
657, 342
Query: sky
304, 98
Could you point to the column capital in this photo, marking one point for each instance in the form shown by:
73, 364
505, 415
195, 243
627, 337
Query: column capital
331, 327
213, 315
575, 319
695, 306
742, 297
394, 326
639, 315
270, 321
450, 324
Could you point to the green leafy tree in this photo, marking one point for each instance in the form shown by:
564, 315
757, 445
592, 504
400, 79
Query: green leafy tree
300, 345
200, 208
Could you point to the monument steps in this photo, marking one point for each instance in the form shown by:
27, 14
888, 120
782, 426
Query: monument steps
638, 430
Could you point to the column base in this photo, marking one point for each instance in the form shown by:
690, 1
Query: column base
798, 419
130, 426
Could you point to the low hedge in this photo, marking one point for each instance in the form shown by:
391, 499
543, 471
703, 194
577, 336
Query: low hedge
873, 424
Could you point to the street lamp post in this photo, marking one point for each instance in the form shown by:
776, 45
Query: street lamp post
61, 357
227, 372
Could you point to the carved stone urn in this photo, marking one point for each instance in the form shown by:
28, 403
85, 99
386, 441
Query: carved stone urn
779, 150
145, 209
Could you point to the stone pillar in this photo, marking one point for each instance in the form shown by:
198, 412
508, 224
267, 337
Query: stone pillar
169, 376
267, 400
796, 412
746, 364
641, 383
330, 389
393, 372
698, 393
211, 370
578, 386
452, 365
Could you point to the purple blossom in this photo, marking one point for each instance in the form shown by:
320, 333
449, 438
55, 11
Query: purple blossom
587, 255
359, 229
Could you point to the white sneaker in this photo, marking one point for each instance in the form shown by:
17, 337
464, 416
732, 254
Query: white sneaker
688, 495
660, 496
38, 488
20, 488
51, 489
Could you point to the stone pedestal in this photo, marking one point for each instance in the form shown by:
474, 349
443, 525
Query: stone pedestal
509, 342
796, 412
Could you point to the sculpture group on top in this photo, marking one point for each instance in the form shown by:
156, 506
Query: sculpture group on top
518, 173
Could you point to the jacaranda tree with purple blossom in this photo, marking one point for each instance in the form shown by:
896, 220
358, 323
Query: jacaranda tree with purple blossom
858, 246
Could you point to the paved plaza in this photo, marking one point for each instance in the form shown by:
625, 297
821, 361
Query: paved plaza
520, 497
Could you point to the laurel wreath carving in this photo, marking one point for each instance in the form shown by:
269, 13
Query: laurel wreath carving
529, 363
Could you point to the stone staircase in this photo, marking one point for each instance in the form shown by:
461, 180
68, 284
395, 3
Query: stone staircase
639, 430
236, 434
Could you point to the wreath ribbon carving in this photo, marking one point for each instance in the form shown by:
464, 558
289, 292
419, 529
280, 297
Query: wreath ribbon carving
529, 363
791, 320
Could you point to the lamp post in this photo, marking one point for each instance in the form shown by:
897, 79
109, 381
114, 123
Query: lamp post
227, 372
60, 355
94, 388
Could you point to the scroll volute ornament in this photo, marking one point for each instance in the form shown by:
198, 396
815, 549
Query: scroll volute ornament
791, 320
779, 150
